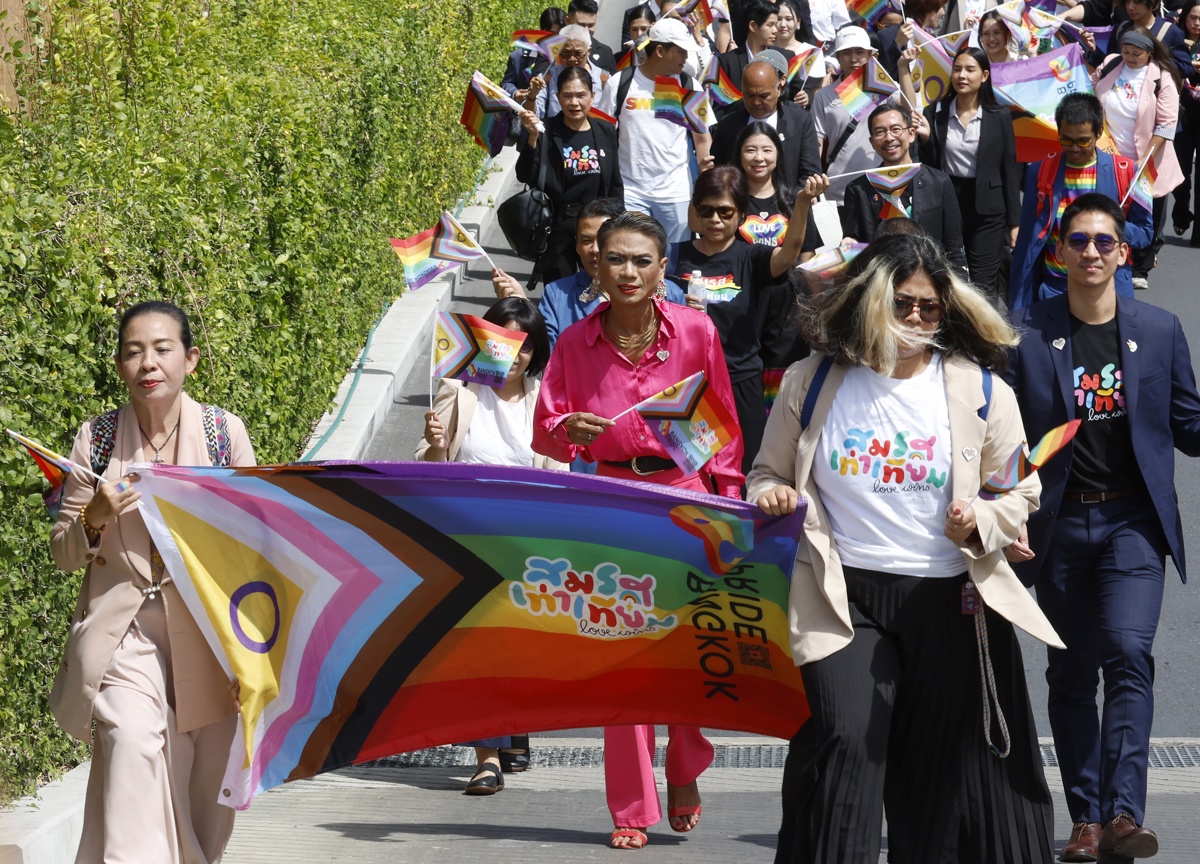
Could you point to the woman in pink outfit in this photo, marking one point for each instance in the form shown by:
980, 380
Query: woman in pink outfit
629, 349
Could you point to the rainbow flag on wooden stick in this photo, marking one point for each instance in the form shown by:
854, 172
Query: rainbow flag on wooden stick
689, 421
865, 87
1019, 466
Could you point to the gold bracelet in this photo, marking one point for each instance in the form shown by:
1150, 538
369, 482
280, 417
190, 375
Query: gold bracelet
87, 526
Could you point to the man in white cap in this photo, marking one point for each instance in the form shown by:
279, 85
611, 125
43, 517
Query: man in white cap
845, 143
654, 154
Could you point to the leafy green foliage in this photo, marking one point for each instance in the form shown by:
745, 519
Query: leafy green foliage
247, 160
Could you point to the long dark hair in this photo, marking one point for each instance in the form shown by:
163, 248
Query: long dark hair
784, 196
987, 96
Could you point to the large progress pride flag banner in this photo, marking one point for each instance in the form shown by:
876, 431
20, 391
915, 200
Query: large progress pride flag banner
362, 605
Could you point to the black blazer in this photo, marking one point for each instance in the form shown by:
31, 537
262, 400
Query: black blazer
934, 208
998, 177
602, 56
735, 62
529, 162
801, 157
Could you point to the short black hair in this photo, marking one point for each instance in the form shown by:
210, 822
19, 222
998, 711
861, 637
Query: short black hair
898, 225
527, 317
588, 7
552, 17
581, 74
1094, 202
758, 11
161, 307
723, 180
885, 107
1079, 108
609, 208
638, 223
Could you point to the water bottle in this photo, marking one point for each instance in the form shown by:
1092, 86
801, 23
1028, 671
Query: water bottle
697, 289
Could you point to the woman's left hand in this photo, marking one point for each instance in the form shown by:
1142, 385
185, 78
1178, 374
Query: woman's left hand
960, 522
1088, 37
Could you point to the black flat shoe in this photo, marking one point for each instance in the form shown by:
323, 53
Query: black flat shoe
514, 761
487, 781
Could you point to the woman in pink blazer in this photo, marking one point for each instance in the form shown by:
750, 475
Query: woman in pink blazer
135, 664
1140, 91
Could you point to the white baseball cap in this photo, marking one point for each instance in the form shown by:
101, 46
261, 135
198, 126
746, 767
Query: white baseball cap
852, 37
672, 31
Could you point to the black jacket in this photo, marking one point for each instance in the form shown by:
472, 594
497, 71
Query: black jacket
602, 56
529, 162
934, 208
735, 62
801, 157
998, 177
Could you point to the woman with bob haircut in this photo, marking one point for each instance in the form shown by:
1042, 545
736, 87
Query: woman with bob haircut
888, 431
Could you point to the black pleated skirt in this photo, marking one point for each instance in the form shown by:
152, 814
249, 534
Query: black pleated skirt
897, 725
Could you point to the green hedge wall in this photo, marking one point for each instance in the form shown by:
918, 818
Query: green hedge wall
248, 160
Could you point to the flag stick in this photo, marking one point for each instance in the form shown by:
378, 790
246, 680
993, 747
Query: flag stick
626, 411
432, 360
477, 243
1140, 170
47, 452
868, 170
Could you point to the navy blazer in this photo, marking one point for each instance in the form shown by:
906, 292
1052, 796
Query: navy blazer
1160, 399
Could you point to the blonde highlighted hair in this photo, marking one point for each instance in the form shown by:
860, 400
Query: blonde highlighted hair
855, 322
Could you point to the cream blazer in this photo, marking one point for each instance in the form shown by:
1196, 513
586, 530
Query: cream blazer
118, 568
819, 611
455, 405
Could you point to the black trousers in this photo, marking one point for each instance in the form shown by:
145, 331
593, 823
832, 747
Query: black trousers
1187, 149
752, 416
559, 259
985, 237
897, 725
1142, 260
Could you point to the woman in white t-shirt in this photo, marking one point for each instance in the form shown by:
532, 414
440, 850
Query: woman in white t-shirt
494, 426
889, 431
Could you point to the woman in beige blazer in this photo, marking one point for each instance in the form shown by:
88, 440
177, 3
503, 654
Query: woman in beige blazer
135, 664
902, 426
494, 426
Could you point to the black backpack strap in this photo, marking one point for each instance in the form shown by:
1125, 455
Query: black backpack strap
987, 393
814, 390
841, 142
104, 439
623, 85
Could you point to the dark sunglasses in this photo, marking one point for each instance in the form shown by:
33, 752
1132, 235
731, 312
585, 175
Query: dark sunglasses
706, 211
929, 310
527, 346
1104, 243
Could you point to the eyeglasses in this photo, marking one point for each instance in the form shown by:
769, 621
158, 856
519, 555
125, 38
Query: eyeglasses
567, 54
1105, 243
894, 131
725, 211
1077, 142
930, 310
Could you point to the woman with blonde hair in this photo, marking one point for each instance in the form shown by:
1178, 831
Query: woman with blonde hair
888, 433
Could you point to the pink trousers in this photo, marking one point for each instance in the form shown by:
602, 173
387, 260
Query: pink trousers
629, 769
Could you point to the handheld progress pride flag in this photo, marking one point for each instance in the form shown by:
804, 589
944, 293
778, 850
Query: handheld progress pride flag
720, 86
681, 106
361, 606
827, 263
1019, 466
1142, 189
865, 87
471, 349
427, 255
704, 14
548, 44
689, 421
486, 117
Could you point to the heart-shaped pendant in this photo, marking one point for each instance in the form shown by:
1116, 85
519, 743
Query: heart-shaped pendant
970, 453
1059, 343
663, 355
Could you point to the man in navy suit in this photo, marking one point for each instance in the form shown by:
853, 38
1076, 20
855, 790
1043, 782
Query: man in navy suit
1108, 519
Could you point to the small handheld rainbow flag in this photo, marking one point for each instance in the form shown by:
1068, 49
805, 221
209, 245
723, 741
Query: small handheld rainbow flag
441, 248
548, 44
668, 100
689, 421
54, 467
1019, 466
801, 64
486, 117
772, 378
597, 114
704, 13
628, 60
827, 263
869, 10
1142, 188
893, 180
721, 88
866, 87
471, 349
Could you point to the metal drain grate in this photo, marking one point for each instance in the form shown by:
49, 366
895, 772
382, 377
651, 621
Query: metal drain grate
727, 756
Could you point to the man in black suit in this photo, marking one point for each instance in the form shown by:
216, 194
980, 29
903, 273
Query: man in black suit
761, 100
762, 23
928, 198
583, 13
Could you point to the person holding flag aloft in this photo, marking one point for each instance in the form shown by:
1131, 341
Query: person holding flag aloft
901, 596
1096, 549
1139, 90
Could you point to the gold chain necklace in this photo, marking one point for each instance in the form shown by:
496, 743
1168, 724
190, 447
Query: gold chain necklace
635, 343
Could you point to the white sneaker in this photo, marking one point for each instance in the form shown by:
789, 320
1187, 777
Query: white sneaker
1141, 283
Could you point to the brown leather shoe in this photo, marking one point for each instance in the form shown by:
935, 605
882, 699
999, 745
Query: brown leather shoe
1124, 838
1084, 844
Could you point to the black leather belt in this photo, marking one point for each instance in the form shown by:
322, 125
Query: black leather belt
643, 465
1099, 497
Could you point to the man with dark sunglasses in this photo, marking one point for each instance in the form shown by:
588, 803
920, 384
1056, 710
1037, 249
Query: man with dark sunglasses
1109, 516
1050, 187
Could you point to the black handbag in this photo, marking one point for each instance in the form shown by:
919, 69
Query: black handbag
527, 217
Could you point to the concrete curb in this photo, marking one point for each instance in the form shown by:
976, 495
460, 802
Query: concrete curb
405, 330
45, 828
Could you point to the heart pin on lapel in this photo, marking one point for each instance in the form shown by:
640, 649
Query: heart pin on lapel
1132, 345
970, 453
1059, 343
